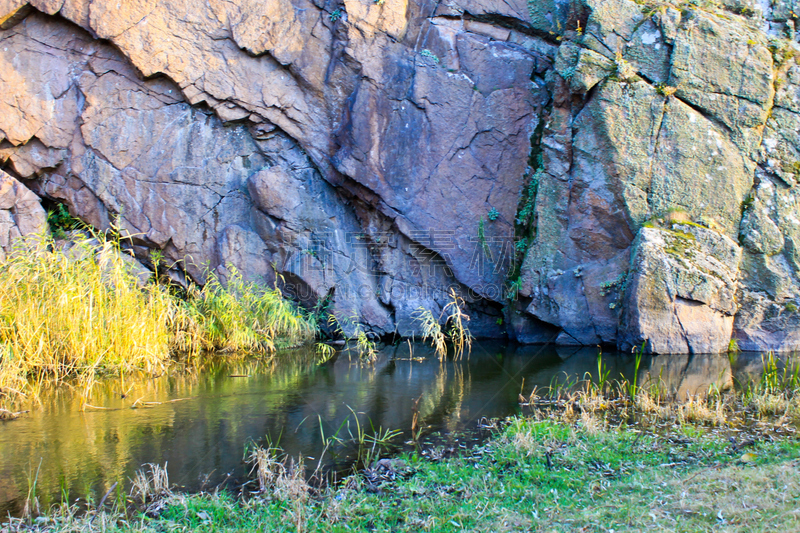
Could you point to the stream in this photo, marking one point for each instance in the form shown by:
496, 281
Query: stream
200, 421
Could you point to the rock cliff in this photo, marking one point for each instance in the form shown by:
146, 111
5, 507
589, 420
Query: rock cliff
584, 171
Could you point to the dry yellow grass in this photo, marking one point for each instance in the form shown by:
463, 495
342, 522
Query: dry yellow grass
67, 314
702, 410
75, 313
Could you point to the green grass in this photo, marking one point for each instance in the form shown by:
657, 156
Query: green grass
549, 472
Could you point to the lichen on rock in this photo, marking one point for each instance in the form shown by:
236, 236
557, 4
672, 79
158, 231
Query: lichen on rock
354, 150
680, 295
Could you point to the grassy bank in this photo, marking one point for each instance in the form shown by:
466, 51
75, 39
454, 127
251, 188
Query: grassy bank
591, 460
78, 309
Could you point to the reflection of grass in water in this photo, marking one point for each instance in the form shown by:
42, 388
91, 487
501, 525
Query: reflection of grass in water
442, 398
111, 440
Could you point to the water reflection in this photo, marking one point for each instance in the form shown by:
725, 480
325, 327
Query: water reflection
201, 419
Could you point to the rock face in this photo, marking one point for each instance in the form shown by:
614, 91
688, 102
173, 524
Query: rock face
20, 213
369, 156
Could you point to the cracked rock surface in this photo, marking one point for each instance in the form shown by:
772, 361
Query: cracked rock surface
373, 155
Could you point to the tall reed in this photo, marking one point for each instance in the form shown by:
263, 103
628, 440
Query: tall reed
458, 332
431, 330
82, 309
243, 316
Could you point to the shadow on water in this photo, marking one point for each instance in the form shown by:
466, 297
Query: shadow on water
200, 420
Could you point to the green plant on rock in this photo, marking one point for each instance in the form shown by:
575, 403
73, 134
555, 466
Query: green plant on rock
430, 55
748, 202
525, 220
61, 221
512, 292
493, 214
529, 199
665, 90
335, 15
624, 71
609, 286
733, 346
482, 238
783, 52
796, 169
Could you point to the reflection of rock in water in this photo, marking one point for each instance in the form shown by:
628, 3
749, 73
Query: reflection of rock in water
298, 404
748, 367
688, 374
569, 364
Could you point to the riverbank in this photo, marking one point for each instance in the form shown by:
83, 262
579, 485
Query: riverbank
543, 477
583, 462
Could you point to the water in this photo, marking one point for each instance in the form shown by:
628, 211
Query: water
201, 421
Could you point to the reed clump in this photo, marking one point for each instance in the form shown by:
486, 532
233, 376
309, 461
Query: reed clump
83, 309
150, 484
455, 319
242, 316
596, 402
67, 313
283, 480
349, 328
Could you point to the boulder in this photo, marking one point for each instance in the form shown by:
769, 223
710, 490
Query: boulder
681, 288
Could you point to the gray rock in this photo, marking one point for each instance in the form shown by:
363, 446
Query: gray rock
680, 295
21, 214
353, 153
